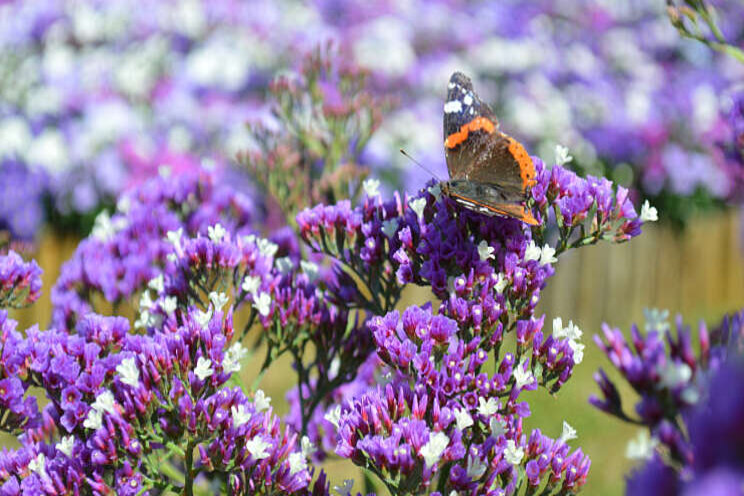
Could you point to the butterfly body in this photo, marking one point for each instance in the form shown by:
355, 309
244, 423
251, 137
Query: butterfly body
490, 172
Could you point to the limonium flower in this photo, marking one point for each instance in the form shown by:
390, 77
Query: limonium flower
20, 282
678, 387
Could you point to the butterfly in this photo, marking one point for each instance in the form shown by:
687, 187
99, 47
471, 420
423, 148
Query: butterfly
490, 172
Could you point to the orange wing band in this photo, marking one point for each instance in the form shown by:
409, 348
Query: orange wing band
526, 167
477, 124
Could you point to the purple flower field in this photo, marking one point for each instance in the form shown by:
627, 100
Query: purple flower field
264, 289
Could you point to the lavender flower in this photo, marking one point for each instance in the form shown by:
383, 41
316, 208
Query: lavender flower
680, 392
124, 251
20, 282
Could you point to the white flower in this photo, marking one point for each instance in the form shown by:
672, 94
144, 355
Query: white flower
649, 213
371, 187
572, 331
105, 402
103, 228
38, 464
568, 432
656, 320
418, 205
488, 408
203, 368
216, 232
266, 247
333, 415
532, 252
435, 191
476, 467
65, 445
232, 358
203, 318
642, 447
258, 448
251, 284
561, 155
94, 419
124, 204
284, 265
433, 449
219, 300
462, 419
169, 304
165, 171
501, 283
308, 448
522, 377
261, 401
497, 426
175, 238
239, 415
485, 251
262, 303
145, 302
157, 284
578, 351
310, 269
345, 489
297, 463
513, 454
143, 320
675, 375
389, 227
547, 255
129, 372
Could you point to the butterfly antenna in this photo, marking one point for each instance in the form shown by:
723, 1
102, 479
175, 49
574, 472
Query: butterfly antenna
420, 165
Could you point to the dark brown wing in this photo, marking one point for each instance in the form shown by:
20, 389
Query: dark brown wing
492, 158
474, 147
487, 199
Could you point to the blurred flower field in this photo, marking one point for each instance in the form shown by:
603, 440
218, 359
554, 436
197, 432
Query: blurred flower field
219, 275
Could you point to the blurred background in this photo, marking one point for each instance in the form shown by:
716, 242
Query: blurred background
98, 96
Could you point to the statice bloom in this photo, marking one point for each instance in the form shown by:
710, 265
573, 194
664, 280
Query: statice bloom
714, 427
437, 407
678, 387
20, 282
102, 381
126, 250
442, 410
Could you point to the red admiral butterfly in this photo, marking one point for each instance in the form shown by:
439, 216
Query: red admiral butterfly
490, 172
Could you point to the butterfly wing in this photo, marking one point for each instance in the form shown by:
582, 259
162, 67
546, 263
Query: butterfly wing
474, 147
488, 199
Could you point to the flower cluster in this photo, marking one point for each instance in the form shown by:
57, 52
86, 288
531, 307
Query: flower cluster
20, 282
680, 391
129, 248
436, 421
119, 403
442, 410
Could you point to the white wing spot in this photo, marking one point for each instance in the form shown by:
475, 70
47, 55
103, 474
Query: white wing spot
468, 99
452, 106
471, 111
451, 85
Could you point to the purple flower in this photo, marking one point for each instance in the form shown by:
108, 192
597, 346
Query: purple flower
20, 282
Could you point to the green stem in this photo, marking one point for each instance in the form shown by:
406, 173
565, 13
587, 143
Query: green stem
188, 486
